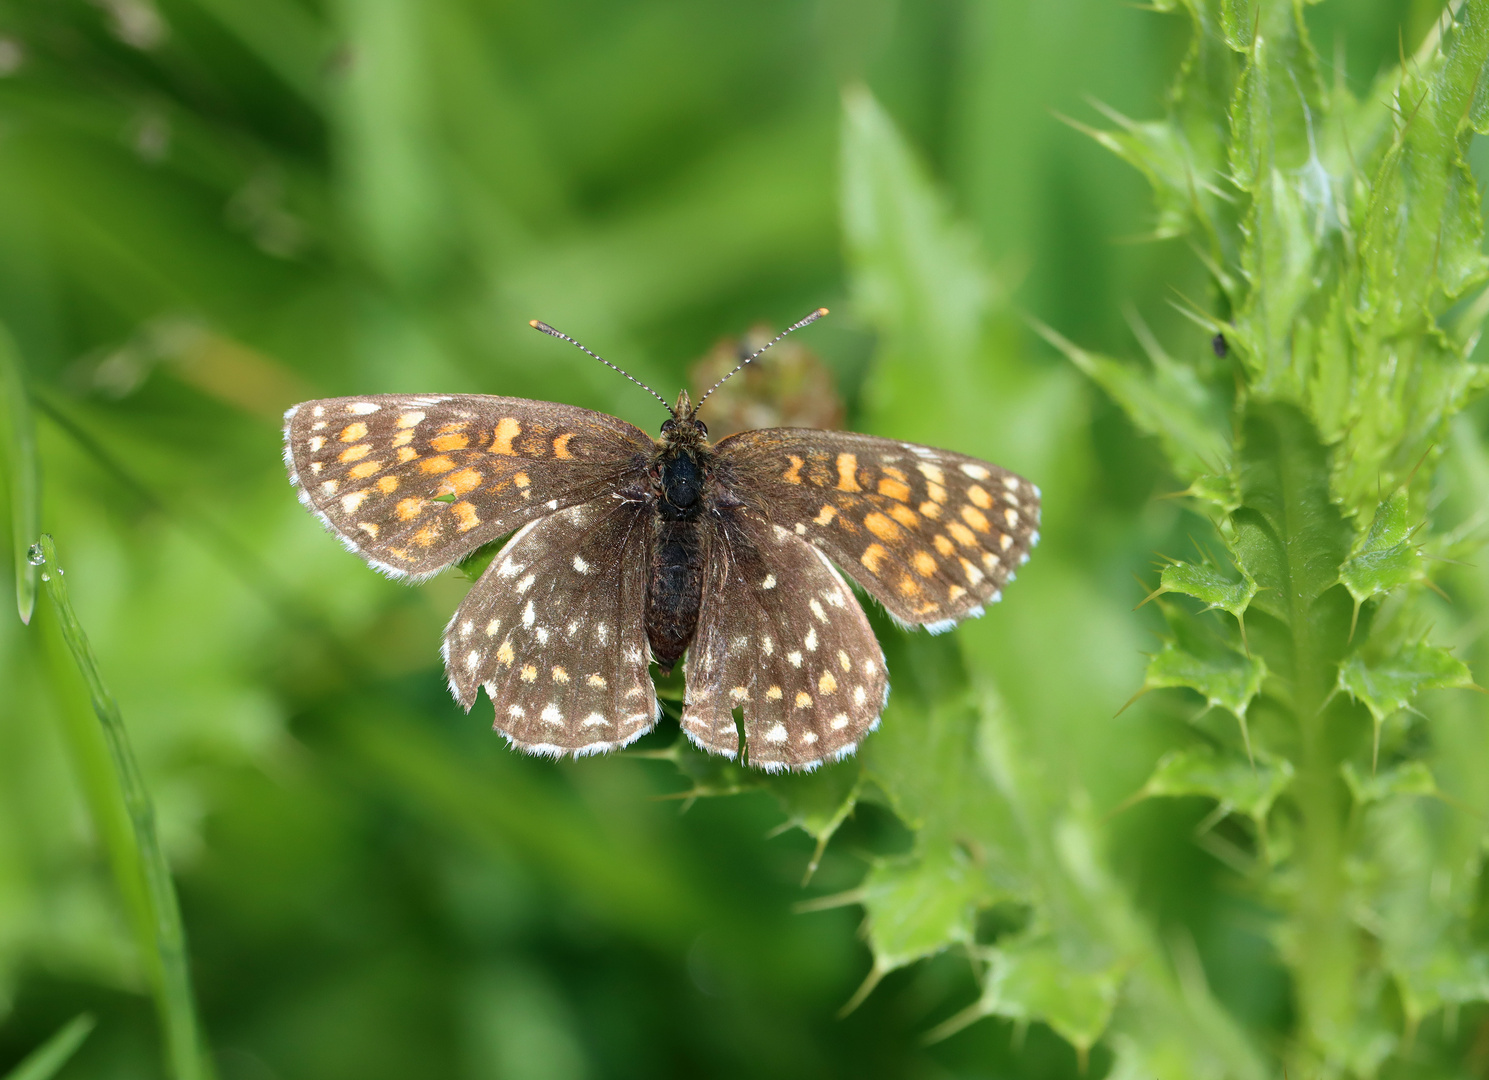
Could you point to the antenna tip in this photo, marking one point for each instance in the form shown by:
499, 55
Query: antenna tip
822, 311
533, 323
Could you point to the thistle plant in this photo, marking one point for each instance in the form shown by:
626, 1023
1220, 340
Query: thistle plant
1343, 239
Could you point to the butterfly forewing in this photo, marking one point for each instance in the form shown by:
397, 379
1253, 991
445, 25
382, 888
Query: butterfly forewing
781, 638
414, 483
553, 631
931, 534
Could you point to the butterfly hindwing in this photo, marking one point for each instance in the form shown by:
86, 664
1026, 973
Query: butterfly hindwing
931, 534
414, 483
782, 638
554, 632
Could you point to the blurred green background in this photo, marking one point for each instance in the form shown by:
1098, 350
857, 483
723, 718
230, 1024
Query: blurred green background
211, 209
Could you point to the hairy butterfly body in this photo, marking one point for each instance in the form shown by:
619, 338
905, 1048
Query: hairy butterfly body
626, 549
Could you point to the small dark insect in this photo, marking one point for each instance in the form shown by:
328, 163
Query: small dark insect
628, 549
1220, 345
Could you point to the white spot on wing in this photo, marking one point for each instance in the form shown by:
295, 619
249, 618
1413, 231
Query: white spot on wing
529, 616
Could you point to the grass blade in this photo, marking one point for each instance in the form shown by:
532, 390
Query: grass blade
18, 450
43, 1062
163, 937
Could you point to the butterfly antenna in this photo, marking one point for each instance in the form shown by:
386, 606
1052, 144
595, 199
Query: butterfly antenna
538, 325
813, 317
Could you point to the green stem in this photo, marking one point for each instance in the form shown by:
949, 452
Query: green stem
1296, 539
139, 862
18, 449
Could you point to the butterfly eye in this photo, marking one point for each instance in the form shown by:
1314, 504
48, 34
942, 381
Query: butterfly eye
701, 426
668, 425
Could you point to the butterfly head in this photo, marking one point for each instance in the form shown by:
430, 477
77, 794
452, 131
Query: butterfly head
683, 429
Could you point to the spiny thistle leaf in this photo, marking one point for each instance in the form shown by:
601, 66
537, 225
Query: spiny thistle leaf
1209, 585
1169, 403
1411, 779
1246, 789
1030, 979
1384, 558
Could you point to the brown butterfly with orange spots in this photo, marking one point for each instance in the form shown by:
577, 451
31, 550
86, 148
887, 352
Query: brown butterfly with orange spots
628, 549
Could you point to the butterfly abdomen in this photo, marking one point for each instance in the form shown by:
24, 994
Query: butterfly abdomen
678, 552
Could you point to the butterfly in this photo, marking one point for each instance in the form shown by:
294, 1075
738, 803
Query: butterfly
625, 549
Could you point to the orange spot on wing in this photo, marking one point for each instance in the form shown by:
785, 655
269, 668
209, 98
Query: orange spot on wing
437, 465
825, 515
943, 545
561, 446
410, 419
793, 474
403, 438
979, 497
975, 518
521, 480
353, 432
956, 592
936, 492
848, 473
407, 454
408, 509
881, 526
355, 453
908, 586
426, 536
924, 564
364, 470
962, 534
461, 425
465, 516
444, 443
388, 484
507, 429
895, 489
461, 482
873, 556
904, 515
930, 509
893, 473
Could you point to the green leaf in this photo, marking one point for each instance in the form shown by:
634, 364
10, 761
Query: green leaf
1408, 780
1030, 980
1393, 682
1197, 658
1207, 584
1169, 403
22, 472
162, 938
1250, 789
1384, 558
47, 1060
918, 906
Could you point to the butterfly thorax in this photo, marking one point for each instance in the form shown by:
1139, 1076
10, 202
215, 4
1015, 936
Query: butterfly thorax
681, 477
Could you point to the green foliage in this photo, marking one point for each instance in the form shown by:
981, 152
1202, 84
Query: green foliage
1340, 233
48, 1058
139, 864
210, 209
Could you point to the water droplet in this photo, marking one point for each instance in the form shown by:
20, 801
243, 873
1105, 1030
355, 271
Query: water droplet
34, 555
46, 577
